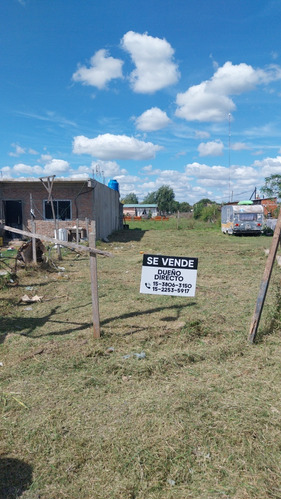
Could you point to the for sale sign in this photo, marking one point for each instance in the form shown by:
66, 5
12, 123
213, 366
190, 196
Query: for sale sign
166, 275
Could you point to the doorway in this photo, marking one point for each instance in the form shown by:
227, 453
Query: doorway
13, 216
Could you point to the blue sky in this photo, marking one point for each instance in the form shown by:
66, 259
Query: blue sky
179, 92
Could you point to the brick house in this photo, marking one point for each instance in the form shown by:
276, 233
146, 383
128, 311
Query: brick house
74, 200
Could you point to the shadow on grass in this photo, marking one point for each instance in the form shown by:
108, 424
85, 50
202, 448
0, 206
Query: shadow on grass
26, 326
127, 235
273, 320
177, 307
16, 477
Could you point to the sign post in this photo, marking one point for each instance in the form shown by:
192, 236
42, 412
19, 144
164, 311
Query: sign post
166, 275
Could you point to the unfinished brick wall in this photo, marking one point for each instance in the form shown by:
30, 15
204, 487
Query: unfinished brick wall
47, 227
89, 199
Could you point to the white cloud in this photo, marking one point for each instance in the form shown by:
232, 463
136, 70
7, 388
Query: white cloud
22, 168
239, 146
45, 158
201, 134
107, 168
115, 147
153, 57
103, 68
56, 167
202, 171
6, 173
152, 119
53, 167
49, 116
18, 150
269, 166
211, 101
223, 181
212, 148
79, 177
147, 168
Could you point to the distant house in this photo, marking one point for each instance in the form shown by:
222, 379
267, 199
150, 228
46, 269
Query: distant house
269, 205
140, 210
73, 200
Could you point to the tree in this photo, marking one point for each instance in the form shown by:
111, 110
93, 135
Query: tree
175, 206
165, 198
199, 206
150, 198
272, 186
210, 213
130, 199
184, 207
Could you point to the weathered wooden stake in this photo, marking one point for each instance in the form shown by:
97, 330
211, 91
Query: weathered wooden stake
34, 255
265, 280
32, 215
94, 282
49, 187
77, 231
87, 227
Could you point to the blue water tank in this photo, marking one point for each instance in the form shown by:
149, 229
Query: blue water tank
113, 184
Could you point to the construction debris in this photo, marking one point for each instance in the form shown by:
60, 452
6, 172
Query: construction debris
29, 300
25, 252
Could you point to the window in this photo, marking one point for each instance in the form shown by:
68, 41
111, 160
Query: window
62, 209
248, 217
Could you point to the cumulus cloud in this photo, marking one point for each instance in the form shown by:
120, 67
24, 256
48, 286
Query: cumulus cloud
211, 101
52, 167
203, 171
153, 57
102, 69
269, 166
152, 119
212, 148
115, 147
55, 166
22, 168
221, 179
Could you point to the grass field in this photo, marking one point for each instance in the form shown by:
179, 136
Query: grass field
196, 416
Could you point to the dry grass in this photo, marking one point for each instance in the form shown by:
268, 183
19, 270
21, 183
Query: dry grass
198, 417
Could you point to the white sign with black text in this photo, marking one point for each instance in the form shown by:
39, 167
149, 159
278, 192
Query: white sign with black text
166, 275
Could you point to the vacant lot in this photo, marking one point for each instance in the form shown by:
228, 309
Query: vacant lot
196, 416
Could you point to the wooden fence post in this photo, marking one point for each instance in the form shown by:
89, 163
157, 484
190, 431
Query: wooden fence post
265, 280
34, 255
94, 282
87, 227
77, 231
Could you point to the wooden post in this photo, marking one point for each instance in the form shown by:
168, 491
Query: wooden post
87, 227
265, 280
32, 215
34, 255
77, 231
94, 282
49, 187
